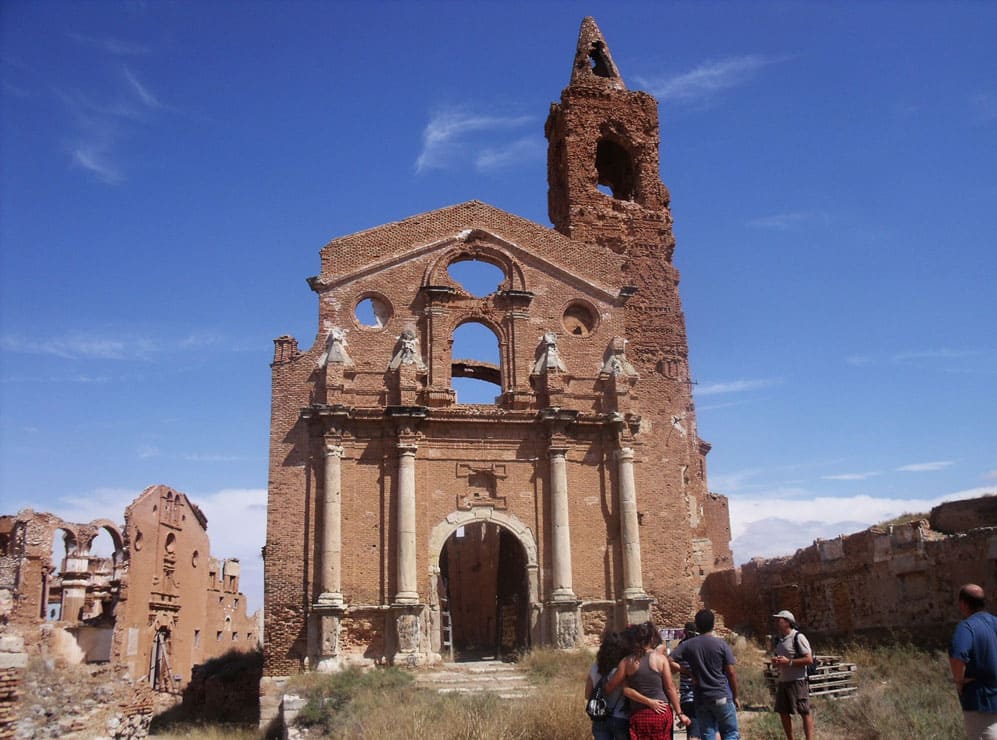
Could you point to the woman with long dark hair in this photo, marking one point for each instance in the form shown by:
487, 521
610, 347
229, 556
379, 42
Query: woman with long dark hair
611, 652
648, 682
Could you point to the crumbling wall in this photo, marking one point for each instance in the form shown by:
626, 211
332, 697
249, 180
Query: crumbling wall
962, 516
900, 579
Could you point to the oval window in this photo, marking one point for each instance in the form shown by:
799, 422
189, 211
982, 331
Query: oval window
579, 320
372, 312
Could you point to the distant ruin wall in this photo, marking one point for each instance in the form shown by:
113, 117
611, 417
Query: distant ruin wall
900, 579
962, 516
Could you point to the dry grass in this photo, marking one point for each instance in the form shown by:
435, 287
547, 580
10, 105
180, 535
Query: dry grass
904, 692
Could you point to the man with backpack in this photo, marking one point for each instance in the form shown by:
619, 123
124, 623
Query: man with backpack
792, 690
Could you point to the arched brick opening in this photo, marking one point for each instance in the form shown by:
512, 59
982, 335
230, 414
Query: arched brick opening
498, 554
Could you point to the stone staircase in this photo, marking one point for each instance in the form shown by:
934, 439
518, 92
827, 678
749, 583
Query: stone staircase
505, 680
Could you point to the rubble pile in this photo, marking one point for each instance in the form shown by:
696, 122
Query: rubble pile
77, 702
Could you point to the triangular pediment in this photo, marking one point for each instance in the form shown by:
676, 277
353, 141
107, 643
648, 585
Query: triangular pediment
381, 248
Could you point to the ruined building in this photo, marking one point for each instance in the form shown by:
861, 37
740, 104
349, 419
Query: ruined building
403, 524
158, 606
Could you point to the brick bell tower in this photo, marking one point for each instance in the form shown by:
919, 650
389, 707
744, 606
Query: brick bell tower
605, 190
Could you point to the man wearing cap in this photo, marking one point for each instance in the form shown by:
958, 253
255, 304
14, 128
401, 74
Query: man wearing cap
792, 692
973, 657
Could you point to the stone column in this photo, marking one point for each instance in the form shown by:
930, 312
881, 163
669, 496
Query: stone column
408, 592
332, 535
633, 585
561, 530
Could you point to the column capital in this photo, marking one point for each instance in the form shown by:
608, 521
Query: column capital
557, 451
407, 447
332, 447
625, 453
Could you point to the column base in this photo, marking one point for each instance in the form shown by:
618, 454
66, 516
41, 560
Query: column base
565, 623
406, 598
411, 649
333, 600
637, 608
563, 595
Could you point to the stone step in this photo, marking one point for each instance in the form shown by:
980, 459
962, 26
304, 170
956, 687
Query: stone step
483, 677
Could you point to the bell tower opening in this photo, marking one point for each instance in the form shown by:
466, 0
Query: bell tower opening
483, 569
615, 168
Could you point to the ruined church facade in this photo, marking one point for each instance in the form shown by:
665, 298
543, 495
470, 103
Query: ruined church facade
407, 526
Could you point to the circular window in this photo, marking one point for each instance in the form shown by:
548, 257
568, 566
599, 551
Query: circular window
372, 312
579, 320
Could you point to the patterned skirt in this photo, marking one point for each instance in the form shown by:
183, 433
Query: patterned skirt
646, 724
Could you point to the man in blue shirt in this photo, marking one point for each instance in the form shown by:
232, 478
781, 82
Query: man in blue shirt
712, 665
973, 658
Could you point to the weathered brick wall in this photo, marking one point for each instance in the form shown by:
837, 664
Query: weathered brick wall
902, 579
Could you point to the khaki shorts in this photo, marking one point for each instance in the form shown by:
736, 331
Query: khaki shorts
792, 697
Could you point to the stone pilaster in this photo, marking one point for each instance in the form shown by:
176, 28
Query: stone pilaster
332, 536
633, 586
561, 529
408, 592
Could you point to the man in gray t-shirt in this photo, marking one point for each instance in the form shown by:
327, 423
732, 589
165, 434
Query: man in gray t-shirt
715, 681
792, 656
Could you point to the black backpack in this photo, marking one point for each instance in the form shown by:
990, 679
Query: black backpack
596, 707
814, 664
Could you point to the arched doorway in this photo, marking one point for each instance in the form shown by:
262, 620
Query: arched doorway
485, 586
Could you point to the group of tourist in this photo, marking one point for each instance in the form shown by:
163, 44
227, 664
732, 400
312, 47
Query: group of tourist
633, 671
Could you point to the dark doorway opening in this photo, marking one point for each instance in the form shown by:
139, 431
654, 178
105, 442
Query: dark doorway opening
483, 568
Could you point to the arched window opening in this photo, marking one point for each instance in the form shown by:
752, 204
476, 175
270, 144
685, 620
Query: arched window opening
476, 365
102, 546
598, 60
616, 170
477, 277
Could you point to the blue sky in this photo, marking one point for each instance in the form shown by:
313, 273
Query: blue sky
170, 171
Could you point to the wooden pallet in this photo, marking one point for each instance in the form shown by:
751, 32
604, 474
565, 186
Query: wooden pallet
834, 678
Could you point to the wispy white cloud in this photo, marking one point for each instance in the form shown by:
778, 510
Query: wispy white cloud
990, 475
141, 91
945, 359
708, 79
124, 345
102, 120
925, 467
75, 346
147, 451
851, 476
457, 134
791, 220
96, 158
520, 150
110, 45
735, 386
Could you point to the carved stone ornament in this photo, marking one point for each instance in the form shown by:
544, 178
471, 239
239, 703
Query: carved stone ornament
616, 361
335, 349
548, 358
408, 632
407, 352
